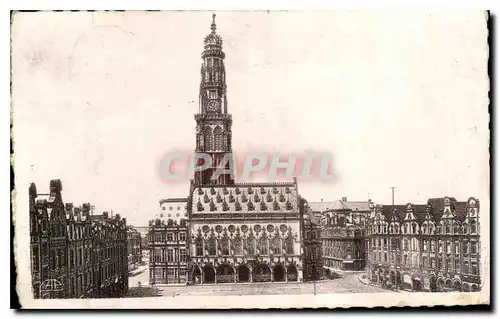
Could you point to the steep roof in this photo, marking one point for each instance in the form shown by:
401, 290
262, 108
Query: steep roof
238, 198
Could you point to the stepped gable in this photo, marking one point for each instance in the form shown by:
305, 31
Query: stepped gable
264, 197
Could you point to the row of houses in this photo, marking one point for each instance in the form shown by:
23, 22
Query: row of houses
75, 253
429, 247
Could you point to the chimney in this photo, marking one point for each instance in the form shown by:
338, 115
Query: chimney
344, 199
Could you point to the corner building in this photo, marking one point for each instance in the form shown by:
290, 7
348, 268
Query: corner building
238, 232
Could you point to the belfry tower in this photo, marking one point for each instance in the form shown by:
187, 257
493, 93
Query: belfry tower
213, 123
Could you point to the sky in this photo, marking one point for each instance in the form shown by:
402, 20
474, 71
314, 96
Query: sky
399, 98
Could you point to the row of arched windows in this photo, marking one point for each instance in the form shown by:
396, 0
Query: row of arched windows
427, 228
243, 246
213, 139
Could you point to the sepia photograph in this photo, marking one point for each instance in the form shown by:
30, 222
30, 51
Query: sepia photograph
250, 159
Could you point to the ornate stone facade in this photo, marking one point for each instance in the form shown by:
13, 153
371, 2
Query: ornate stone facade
245, 233
433, 247
75, 254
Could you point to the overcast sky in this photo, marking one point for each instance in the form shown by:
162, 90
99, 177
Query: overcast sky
399, 99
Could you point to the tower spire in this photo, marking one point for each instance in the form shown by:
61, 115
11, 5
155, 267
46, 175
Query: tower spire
213, 26
213, 123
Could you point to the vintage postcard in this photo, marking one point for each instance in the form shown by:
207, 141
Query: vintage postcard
277, 159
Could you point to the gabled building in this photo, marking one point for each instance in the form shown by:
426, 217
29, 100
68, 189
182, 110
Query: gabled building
432, 247
75, 254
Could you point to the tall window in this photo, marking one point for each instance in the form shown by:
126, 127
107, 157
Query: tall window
249, 246
466, 248
209, 138
182, 253
237, 246
457, 247
275, 245
473, 247
182, 236
473, 227
466, 267
425, 245
218, 138
474, 268
170, 255
224, 246
448, 247
211, 247
424, 262
263, 246
199, 247
157, 255
457, 265
440, 247
35, 258
289, 246
170, 236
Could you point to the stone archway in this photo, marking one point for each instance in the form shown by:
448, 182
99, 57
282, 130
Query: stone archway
474, 287
457, 286
196, 275
225, 273
261, 273
208, 274
243, 273
279, 273
291, 273
465, 287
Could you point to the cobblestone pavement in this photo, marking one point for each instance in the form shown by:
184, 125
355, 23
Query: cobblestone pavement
347, 283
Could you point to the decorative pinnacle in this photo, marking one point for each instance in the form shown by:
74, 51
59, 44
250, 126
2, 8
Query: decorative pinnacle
213, 26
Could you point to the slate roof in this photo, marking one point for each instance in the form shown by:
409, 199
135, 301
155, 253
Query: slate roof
264, 197
435, 206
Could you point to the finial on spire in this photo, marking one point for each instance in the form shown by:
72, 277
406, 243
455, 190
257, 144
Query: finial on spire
213, 26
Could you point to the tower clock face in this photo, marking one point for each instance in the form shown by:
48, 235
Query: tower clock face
213, 106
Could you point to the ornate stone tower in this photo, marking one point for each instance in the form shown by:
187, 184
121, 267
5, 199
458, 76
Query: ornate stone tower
213, 123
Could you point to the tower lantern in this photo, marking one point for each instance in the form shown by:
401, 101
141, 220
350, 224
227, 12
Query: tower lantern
213, 123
